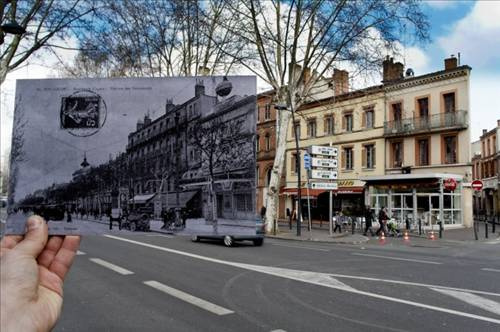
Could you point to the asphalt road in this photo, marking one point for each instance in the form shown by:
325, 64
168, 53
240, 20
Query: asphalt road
153, 282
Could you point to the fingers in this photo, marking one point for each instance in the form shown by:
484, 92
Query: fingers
49, 252
65, 255
10, 241
35, 238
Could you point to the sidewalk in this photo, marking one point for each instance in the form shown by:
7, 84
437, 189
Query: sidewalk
199, 226
318, 235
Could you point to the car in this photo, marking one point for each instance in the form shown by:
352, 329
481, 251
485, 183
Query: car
137, 221
229, 238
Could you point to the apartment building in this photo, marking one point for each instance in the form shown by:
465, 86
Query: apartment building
400, 144
485, 167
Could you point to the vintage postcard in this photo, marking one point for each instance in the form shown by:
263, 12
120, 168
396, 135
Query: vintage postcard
94, 156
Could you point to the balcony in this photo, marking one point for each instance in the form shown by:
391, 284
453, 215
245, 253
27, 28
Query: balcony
433, 123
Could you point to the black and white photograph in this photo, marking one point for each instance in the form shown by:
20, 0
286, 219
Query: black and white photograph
97, 156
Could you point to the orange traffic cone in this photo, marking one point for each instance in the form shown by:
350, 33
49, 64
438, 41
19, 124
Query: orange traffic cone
406, 236
382, 237
432, 236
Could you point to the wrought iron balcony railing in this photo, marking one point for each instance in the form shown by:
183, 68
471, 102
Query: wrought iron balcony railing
435, 122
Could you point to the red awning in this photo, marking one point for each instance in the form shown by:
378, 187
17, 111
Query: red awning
349, 190
303, 192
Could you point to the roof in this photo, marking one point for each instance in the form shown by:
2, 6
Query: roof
392, 177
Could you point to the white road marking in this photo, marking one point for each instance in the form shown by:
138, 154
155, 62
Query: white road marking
279, 330
111, 266
320, 279
490, 270
397, 258
196, 301
80, 253
300, 247
472, 299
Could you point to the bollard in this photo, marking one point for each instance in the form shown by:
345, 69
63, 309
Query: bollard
419, 226
352, 226
493, 225
440, 229
431, 235
486, 229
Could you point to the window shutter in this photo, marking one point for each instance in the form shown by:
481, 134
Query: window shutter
343, 122
374, 153
363, 119
342, 158
363, 157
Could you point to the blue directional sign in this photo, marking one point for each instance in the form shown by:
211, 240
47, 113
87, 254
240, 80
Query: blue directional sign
307, 161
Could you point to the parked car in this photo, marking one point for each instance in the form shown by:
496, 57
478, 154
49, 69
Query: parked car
138, 220
231, 237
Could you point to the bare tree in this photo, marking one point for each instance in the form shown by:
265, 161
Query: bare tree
294, 47
157, 38
44, 22
17, 153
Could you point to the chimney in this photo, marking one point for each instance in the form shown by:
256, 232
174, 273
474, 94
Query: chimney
450, 63
340, 81
147, 120
199, 88
169, 105
140, 125
392, 71
485, 131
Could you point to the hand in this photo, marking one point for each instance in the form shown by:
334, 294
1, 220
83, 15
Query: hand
32, 271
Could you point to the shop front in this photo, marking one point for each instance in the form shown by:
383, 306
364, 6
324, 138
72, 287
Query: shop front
425, 198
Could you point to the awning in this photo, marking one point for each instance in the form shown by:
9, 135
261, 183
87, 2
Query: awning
349, 190
303, 192
412, 176
184, 198
142, 199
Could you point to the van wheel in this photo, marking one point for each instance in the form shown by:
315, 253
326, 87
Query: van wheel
133, 227
228, 241
258, 242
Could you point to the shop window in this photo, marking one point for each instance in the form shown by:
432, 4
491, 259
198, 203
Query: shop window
423, 152
397, 154
449, 146
329, 124
311, 128
449, 102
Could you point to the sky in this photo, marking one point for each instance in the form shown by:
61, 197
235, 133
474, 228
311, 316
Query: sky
471, 28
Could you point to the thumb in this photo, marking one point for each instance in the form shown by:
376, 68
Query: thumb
35, 238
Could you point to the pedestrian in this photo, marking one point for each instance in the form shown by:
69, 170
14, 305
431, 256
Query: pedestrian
263, 214
368, 220
289, 217
338, 222
382, 219
68, 215
164, 218
184, 216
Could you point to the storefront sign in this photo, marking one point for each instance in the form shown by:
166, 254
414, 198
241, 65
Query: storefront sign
328, 163
477, 185
346, 183
327, 175
450, 184
324, 185
324, 150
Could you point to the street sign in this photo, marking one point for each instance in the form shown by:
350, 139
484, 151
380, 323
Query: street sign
320, 174
328, 163
324, 185
307, 161
450, 184
477, 185
324, 150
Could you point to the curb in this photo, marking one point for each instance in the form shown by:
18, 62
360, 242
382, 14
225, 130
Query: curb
365, 239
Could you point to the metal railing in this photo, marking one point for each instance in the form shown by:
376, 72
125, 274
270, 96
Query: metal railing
410, 126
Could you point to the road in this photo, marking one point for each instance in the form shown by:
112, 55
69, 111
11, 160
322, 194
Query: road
155, 282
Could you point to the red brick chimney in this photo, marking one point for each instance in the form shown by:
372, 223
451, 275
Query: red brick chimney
392, 71
450, 63
340, 81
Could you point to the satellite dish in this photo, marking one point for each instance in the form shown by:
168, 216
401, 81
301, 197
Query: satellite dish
410, 72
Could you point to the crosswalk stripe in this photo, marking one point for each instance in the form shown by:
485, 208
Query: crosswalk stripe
80, 253
472, 299
196, 301
111, 266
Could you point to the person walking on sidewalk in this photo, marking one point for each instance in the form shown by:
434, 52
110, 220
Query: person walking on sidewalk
338, 222
382, 219
368, 220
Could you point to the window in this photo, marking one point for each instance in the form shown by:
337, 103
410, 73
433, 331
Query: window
397, 154
397, 112
347, 122
268, 142
422, 152
267, 112
347, 158
311, 128
449, 102
257, 143
450, 149
258, 114
423, 107
296, 129
369, 156
293, 163
369, 119
328, 125
268, 176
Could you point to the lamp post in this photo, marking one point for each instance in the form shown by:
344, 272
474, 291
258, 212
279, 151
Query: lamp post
283, 107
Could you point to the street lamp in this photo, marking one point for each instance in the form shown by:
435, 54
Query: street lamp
283, 107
